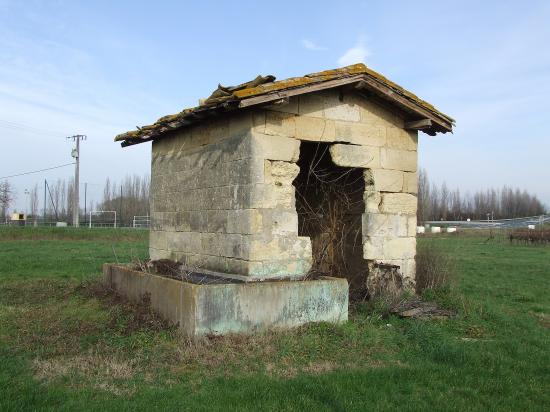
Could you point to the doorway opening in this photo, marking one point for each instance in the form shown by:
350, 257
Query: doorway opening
330, 206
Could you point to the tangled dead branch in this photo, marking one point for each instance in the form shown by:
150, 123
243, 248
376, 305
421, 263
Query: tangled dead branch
329, 202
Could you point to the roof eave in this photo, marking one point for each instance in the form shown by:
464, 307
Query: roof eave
440, 123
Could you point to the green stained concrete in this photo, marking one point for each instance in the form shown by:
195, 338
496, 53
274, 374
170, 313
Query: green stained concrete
234, 307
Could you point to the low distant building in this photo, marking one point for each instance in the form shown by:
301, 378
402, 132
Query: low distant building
18, 219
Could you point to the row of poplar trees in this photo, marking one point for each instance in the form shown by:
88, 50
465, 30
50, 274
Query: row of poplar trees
438, 202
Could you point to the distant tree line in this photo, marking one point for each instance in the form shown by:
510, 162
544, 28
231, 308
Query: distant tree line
129, 198
441, 203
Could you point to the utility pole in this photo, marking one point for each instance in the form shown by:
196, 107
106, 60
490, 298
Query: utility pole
45, 205
76, 154
85, 200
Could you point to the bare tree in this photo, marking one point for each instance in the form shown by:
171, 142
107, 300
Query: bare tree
424, 211
435, 202
33, 201
455, 204
7, 196
444, 201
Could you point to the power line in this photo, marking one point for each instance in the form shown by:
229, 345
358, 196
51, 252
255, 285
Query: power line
37, 171
19, 126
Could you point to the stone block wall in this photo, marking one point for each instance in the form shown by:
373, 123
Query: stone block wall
222, 196
368, 136
222, 199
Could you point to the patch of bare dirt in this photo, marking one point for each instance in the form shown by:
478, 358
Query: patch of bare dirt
544, 320
324, 366
138, 316
95, 365
102, 372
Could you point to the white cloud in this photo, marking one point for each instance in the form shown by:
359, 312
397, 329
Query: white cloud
310, 45
357, 54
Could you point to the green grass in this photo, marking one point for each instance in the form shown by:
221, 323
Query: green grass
41, 252
64, 345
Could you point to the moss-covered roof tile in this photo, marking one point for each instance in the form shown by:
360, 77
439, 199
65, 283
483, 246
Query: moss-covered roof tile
230, 98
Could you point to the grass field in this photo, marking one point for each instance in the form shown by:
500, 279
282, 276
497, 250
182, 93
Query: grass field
65, 345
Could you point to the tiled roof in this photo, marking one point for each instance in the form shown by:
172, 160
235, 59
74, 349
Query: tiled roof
264, 90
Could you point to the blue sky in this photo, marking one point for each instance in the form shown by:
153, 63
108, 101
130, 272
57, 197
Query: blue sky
104, 67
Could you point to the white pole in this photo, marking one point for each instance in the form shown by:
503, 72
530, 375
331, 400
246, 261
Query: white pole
90, 220
115, 219
76, 206
76, 154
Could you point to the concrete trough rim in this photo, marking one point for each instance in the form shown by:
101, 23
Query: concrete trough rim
287, 280
248, 307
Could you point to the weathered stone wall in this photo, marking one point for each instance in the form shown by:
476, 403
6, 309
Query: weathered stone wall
222, 195
222, 199
369, 136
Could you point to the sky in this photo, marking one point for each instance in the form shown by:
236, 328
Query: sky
101, 68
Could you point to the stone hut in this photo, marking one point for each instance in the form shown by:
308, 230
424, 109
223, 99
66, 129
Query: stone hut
281, 179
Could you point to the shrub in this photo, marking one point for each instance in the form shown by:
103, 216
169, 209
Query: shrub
433, 268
